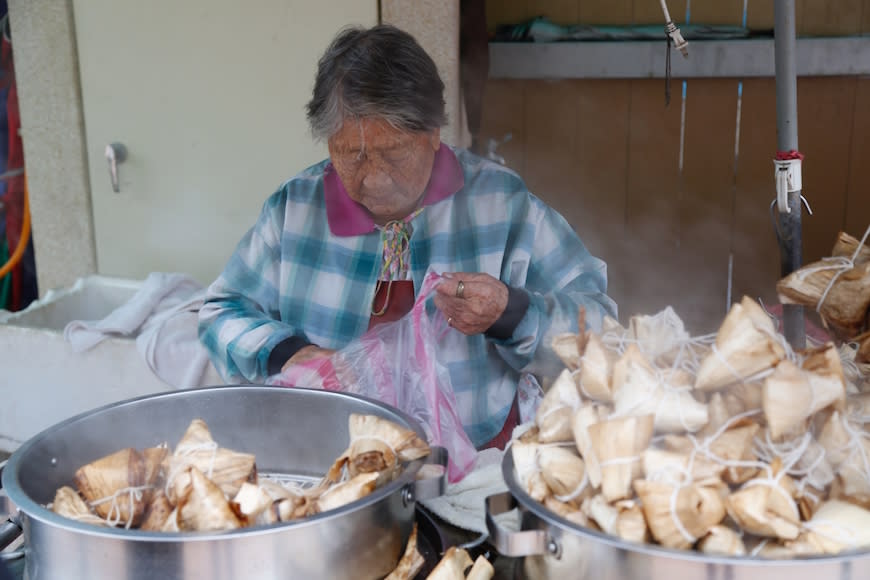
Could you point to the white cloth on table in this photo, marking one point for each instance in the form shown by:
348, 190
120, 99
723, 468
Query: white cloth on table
464, 503
163, 317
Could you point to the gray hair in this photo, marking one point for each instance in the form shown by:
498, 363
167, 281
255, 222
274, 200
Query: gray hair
376, 72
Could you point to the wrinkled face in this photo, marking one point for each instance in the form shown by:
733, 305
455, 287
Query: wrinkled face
384, 169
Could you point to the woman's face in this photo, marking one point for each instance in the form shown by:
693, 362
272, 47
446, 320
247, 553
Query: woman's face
383, 168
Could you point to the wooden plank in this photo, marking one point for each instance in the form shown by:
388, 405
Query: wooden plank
499, 12
826, 18
723, 12
503, 105
550, 114
606, 12
865, 18
756, 254
858, 192
825, 113
705, 207
759, 14
649, 12
601, 165
652, 188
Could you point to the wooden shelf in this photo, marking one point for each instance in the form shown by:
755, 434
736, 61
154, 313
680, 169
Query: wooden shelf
646, 59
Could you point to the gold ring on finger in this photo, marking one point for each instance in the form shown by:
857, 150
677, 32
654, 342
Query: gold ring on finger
460, 289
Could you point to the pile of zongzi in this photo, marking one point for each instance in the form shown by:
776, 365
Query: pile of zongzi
838, 287
730, 444
455, 564
200, 486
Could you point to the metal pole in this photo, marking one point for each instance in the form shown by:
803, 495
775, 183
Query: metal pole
789, 236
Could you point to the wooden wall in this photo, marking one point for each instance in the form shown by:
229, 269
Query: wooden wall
606, 154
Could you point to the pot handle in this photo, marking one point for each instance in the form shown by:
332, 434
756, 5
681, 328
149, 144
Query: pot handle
436, 485
9, 531
11, 528
509, 543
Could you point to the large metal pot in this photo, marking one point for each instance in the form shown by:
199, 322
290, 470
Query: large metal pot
294, 432
553, 547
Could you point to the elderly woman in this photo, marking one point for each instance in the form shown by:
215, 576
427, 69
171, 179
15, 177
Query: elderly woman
345, 244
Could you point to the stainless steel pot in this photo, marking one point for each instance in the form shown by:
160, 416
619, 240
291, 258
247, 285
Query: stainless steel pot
292, 432
553, 547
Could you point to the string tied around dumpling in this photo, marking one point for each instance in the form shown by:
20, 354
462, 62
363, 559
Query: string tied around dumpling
773, 480
676, 518
840, 265
581, 487
740, 378
181, 466
793, 452
703, 447
627, 460
855, 445
759, 547
134, 494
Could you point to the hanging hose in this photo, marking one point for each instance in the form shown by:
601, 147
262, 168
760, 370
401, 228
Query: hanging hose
22, 240
6, 281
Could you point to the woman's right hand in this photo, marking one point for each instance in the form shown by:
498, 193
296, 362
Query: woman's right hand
307, 353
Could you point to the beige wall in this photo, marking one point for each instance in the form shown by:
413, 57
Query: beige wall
52, 133
435, 25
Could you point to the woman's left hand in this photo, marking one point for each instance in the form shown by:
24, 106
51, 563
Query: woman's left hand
472, 302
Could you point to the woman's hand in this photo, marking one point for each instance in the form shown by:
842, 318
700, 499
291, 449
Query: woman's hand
471, 302
307, 353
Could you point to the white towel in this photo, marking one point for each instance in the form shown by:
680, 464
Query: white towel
163, 316
159, 292
170, 345
463, 504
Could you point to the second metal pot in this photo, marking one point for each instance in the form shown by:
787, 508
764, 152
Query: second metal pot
553, 547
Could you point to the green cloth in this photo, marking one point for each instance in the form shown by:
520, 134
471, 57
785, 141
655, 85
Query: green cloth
541, 29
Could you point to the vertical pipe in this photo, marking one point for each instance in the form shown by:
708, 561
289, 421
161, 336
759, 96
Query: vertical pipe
790, 242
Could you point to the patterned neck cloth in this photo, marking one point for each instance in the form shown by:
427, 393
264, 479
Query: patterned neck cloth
396, 237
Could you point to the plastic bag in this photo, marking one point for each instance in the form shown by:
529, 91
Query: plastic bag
397, 363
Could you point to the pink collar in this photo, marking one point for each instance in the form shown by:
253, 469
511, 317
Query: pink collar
348, 218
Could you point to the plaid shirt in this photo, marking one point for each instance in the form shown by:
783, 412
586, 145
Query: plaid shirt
309, 268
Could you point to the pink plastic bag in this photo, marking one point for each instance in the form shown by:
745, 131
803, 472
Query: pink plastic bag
397, 363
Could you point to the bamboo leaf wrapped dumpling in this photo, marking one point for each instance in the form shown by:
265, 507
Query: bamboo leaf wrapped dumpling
678, 515
114, 486
204, 508
792, 394
618, 445
640, 389
746, 345
225, 468
556, 410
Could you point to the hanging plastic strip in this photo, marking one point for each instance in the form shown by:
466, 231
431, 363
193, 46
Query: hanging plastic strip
787, 173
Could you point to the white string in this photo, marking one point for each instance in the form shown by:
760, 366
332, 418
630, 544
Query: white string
757, 549
134, 494
773, 481
676, 518
619, 461
727, 364
856, 445
577, 491
183, 465
552, 410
